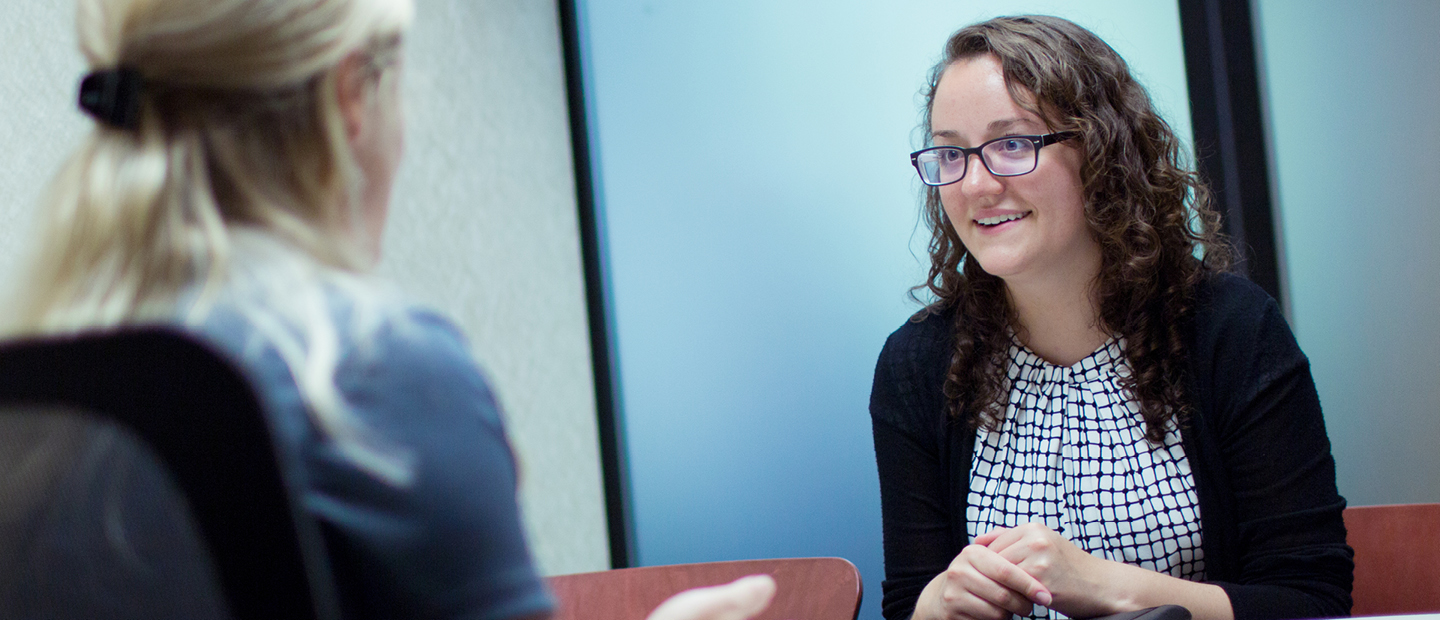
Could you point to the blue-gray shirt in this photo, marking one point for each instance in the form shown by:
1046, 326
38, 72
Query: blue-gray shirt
450, 543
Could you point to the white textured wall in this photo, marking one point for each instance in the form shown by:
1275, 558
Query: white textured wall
39, 76
483, 225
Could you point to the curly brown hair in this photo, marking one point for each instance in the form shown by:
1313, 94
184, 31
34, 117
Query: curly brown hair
1149, 213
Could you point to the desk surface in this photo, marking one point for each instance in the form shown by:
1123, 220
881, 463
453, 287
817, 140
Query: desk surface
1434, 616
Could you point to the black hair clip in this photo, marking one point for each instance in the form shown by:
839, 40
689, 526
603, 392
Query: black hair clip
112, 96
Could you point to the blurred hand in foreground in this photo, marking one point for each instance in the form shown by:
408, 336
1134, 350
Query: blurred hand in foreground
741, 599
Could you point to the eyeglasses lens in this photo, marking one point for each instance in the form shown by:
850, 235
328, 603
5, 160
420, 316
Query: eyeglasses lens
1010, 156
941, 166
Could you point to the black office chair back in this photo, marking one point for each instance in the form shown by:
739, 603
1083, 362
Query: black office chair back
93, 526
139, 478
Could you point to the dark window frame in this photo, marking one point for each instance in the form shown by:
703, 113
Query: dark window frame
604, 359
1223, 75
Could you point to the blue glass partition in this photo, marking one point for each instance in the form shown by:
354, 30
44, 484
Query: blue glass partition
757, 217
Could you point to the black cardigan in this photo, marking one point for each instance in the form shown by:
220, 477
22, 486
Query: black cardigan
1271, 525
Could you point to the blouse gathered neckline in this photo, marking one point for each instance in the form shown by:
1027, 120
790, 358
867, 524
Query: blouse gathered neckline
1109, 358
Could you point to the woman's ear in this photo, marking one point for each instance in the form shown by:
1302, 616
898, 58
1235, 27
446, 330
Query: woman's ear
352, 91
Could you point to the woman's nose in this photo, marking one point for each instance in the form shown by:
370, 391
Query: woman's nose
978, 180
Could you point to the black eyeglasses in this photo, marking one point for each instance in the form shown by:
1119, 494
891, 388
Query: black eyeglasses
1010, 156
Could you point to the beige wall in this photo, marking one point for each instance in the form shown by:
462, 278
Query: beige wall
483, 224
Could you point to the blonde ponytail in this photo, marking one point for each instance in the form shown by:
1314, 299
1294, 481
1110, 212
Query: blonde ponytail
237, 133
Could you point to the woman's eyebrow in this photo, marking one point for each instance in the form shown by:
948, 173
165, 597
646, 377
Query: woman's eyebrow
1006, 123
994, 127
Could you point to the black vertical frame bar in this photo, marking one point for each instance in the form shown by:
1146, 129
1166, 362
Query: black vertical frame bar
603, 358
1223, 74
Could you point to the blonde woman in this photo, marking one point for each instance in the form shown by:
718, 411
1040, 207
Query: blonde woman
236, 184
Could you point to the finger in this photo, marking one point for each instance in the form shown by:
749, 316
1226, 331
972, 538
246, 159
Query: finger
1006, 574
970, 605
981, 597
741, 599
1002, 540
752, 594
1007, 540
987, 537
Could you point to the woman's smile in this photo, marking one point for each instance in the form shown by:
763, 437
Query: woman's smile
994, 221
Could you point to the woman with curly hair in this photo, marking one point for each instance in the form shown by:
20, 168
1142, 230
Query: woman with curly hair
1093, 416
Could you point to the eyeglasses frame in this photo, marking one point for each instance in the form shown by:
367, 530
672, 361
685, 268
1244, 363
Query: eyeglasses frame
1040, 142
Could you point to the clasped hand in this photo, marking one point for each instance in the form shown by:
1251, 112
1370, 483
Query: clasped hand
1009, 571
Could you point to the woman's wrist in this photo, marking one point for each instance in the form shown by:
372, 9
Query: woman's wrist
925, 603
1095, 586
1120, 585
1129, 588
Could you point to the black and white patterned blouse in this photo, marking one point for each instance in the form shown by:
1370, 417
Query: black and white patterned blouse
1072, 454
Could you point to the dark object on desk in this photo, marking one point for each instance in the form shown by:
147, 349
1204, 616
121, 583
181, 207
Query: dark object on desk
809, 588
138, 480
1163, 612
1397, 558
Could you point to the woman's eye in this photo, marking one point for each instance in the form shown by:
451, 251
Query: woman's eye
951, 155
1012, 145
